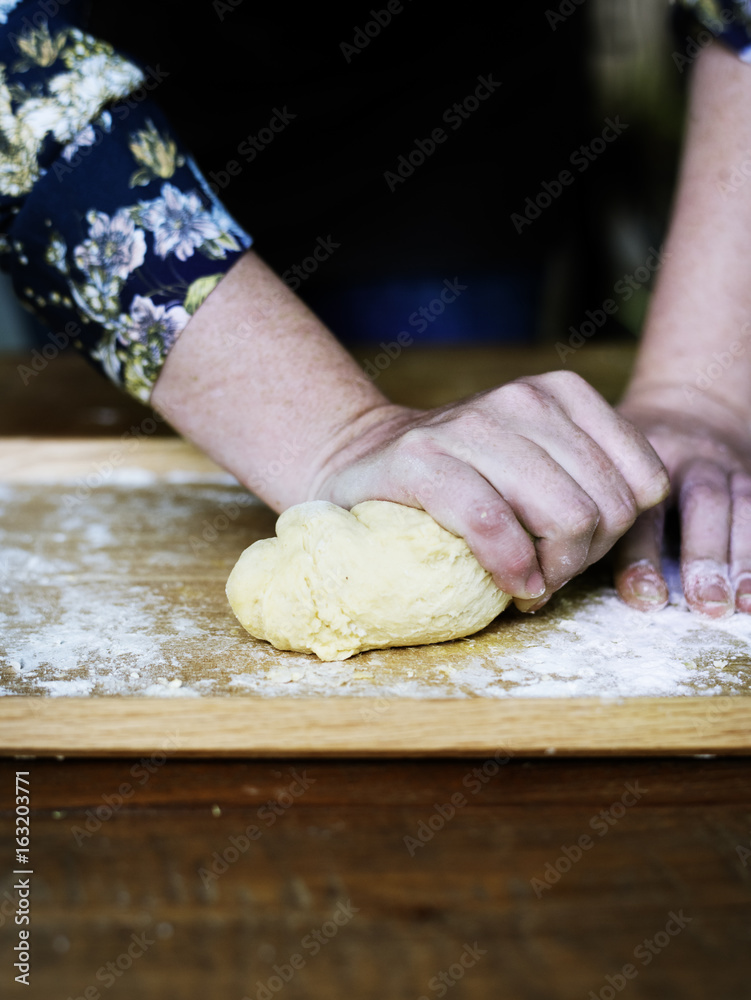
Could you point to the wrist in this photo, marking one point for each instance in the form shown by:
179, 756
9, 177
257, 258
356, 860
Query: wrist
351, 442
703, 403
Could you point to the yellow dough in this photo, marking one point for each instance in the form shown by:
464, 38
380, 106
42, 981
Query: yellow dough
336, 582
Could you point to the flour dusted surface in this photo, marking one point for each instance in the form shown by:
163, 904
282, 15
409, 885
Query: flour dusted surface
123, 594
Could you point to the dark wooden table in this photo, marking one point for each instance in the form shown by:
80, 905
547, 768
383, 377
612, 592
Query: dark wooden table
401, 879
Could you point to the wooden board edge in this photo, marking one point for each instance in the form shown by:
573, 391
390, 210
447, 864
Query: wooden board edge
27, 460
252, 726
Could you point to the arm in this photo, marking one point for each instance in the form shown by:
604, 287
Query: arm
540, 476
691, 388
108, 229
112, 233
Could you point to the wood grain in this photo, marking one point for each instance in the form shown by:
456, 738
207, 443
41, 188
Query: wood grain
136, 867
55, 460
118, 592
326, 726
106, 869
153, 553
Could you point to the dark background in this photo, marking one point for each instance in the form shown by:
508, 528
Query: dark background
228, 69
324, 174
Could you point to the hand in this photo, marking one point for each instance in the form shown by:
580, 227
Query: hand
540, 476
706, 448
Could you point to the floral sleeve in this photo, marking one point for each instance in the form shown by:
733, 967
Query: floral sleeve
727, 20
107, 226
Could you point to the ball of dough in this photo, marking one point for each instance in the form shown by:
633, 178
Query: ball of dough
336, 582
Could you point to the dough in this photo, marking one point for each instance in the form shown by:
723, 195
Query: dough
335, 582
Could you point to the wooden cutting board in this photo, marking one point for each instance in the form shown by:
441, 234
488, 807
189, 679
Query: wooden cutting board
116, 638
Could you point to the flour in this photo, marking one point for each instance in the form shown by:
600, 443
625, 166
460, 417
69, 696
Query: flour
109, 597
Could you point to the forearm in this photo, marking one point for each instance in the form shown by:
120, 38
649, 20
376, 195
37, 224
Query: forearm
259, 383
540, 476
702, 302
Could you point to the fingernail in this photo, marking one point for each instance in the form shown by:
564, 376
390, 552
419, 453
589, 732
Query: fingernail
535, 585
648, 588
743, 594
540, 604
707, 588
713, 592
642, 586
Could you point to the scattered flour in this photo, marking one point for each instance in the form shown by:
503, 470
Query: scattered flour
113, 597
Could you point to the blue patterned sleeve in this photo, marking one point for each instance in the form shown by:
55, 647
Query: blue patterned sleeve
729, 21
110, 232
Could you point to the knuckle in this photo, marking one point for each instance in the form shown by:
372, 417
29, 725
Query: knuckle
473, 431
566, 381
741, 483
414, 442
654, 490
487, 519
702, 493
425, 483
523, 395
516, 561
580, 519
622, 516
703, 471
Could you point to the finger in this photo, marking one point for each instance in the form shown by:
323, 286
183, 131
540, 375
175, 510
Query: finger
464, 502
599, 479
638, 564
562, 487
704, 506
560, 515
584, 456
552, 507
740, 540
622, 442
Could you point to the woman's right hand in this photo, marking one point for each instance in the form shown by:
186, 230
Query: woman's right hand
540, 476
